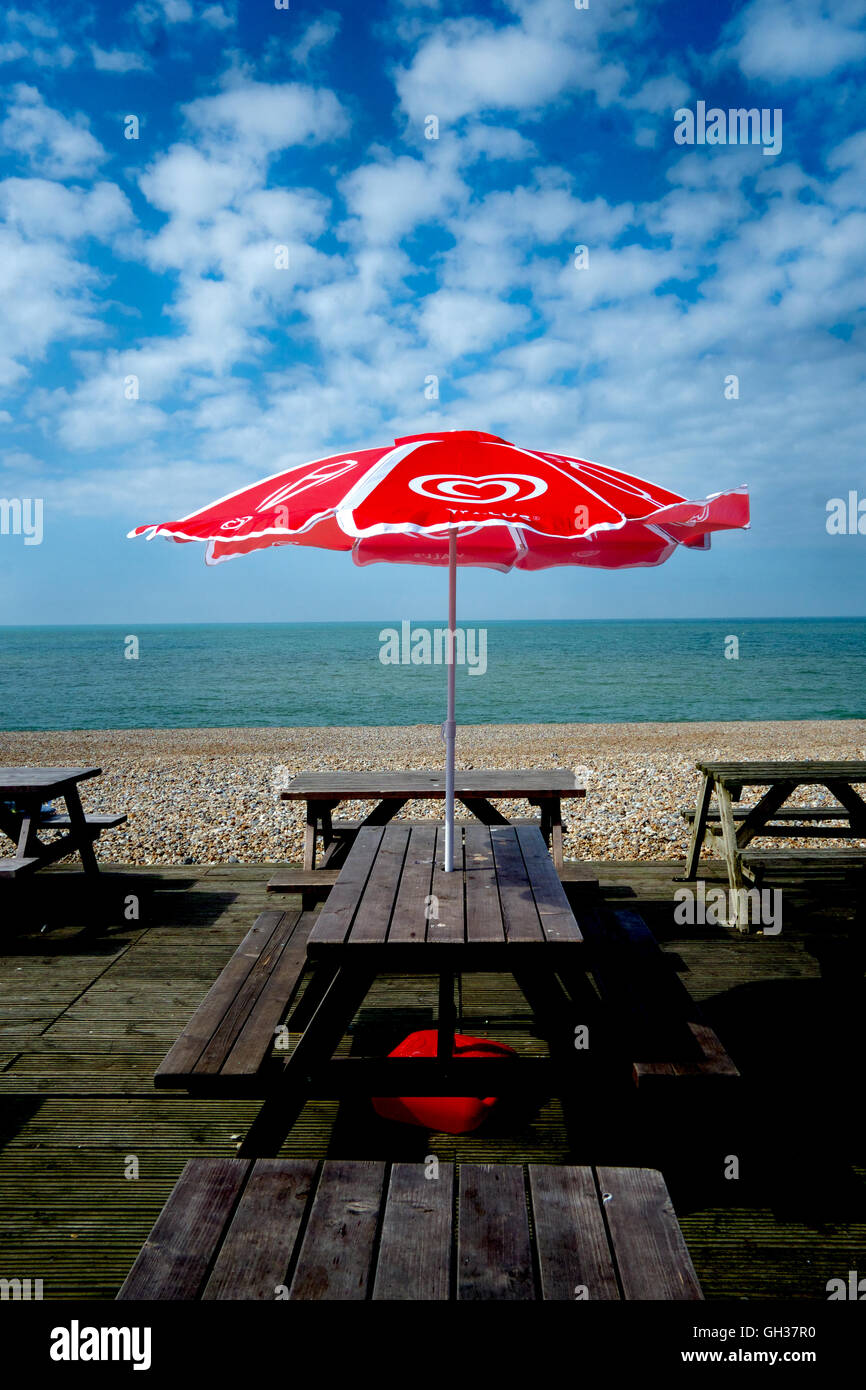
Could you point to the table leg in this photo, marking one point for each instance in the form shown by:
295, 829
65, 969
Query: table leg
740, 916
555, 818
699, 827
310, 835
853, 804
29, 843
763, 811
80, 832
447, 1018
345, 992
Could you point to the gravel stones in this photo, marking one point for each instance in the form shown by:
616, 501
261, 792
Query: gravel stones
210, 796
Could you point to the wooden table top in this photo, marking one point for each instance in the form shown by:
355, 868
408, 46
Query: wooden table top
393, 891
803, 773
376, 786
359, 1229
21, 781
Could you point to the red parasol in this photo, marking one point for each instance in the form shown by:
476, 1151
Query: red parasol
460, 497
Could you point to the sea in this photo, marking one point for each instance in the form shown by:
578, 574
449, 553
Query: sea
386, 673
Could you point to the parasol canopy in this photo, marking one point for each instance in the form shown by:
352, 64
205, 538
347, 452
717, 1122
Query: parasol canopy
460, 497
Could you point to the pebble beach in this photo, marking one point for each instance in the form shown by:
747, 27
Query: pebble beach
211, 796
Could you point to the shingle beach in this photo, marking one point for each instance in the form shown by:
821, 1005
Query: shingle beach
209, 796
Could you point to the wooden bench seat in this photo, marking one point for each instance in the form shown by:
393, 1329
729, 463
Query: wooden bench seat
312, 884
296, 1229
813, 862
656, 1020
227, 1043
14, 868
783, 824
785, 813
59, 820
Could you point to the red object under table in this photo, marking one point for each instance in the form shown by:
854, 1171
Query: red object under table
444, 1114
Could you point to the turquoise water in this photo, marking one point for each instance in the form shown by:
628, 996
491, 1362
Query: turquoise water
330, 673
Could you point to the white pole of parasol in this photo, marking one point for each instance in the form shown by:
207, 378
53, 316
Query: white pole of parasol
450, 725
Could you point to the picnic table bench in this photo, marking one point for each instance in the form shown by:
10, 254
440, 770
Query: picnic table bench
300, 1230
323, 792
730, 829
23, 793
394, 909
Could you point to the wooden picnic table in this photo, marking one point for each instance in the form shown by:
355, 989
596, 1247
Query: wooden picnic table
730, 829
298, 1229
394, 909
323, 792
23, 792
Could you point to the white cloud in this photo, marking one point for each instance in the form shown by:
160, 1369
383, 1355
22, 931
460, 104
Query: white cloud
217, 18
265, 118
391, 197
470, 67
41, 208
116, 60
457, 323
34, 24
551, 53
54, 145
496, 142
318, 34
47, 293
659, 94
796, 39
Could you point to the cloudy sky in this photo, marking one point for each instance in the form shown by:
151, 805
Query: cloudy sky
411, 258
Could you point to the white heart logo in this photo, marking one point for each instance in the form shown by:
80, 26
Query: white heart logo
488, 490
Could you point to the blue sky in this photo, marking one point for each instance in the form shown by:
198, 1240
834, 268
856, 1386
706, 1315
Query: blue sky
411, 257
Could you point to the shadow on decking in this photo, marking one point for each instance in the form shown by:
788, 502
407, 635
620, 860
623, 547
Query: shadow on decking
76, 1090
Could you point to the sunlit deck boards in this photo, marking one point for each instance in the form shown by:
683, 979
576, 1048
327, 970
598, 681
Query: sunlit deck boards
84, 1024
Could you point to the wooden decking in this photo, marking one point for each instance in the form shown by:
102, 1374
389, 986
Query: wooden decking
86, 1019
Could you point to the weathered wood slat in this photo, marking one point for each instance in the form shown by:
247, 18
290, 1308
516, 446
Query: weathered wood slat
448, 893
804, 858
506, 784
409, 923
574, 1257
178, 1252
15, 868
804, 771
253, 1043
215, 1026
414, 1259
650, 1252
254, 1259
373, 915
557, 918
56, 820
483, 910
338, 913
519, 915
494, 1254
784, 813
336, 1257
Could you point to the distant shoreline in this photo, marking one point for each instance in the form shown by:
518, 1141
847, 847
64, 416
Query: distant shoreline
205, 796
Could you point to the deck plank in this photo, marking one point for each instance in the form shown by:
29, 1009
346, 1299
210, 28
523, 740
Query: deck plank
254, 1258
651, 1254
415, 1247
571, 1239
175, 1258
336, 1256
494, 1255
